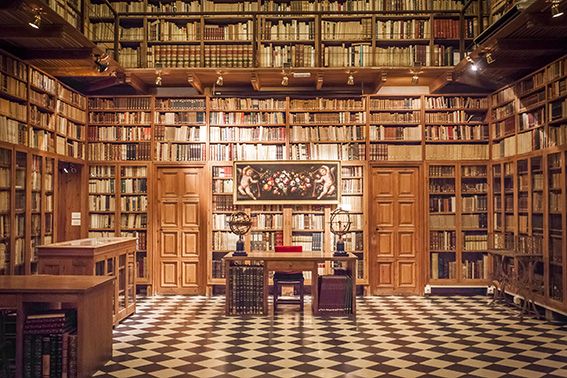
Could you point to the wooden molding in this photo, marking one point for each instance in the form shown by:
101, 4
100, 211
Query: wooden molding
53, 31
195, 82
530, 44
135, 82
441, 82
67, 54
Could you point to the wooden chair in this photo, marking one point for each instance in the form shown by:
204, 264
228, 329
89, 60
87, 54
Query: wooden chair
288, 278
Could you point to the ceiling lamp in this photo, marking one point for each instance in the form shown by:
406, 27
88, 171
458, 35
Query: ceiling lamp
220, 80
158, 78
350, 79
415, 79
555, 11
36, 23
101, 63
285, 80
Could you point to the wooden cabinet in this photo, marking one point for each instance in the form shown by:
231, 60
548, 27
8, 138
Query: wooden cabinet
113, 257
90, 296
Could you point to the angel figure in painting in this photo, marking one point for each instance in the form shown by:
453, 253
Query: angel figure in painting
327, 181
246, 181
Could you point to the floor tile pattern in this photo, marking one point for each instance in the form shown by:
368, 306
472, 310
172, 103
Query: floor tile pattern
178, 336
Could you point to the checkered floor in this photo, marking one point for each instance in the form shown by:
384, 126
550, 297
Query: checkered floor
391, 336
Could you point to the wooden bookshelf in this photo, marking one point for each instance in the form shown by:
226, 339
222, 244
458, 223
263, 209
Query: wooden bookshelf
118, 206
301, 33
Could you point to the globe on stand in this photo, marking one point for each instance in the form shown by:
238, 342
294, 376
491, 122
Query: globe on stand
239, 224
340, 224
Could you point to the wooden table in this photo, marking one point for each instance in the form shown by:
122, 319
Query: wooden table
90, 296
112, 256
281, 261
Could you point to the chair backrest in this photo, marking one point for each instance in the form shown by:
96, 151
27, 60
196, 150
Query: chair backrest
289, 248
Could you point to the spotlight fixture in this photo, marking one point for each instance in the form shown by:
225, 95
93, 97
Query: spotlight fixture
158, 78
474, 65
555, 11
350, 79
415, 79
101, 63
36, 23
489, 58
220, 80
285, 80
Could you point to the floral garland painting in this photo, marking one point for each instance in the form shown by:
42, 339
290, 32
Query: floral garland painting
262, 182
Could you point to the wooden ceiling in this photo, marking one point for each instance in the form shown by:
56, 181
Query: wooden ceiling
529, 40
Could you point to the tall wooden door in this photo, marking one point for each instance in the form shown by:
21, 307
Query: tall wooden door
180, 235
395, 226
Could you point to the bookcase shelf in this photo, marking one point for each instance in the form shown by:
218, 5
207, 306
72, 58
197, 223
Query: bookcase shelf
118, 206
282, 34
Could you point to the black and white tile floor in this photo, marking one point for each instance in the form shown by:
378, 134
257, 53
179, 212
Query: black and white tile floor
391, 336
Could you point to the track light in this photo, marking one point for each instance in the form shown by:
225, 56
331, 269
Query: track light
101, 63
555, 11
474, 65
36, 23
220, 80
350, 79
415, 79
285, 80
158, 78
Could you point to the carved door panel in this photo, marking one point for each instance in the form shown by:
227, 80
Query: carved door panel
394, 227
180, 221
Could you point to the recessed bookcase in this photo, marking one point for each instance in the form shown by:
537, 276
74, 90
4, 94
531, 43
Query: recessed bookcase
180, 129
6, 210
247, 129
263, 33
327, 128
458, 223
119, 128
118, 206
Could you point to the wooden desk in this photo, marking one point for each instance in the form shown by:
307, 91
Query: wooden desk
113, 257
281, 261
90, 296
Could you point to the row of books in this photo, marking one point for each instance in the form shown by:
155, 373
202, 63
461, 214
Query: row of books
352, 171
172, 56
242, 151
394, 152
12, 131
120, 117
395, 103
474, 203
101, 221
309, 241
341, 30
410, 117
456, 152
223, 186
443, 266
117, 133
297, 55
142, 266
13, 86
476, 269
265, 240
460, 132
352, 186
442, 204
224, 240
141, 238
458, 116
119, 103
430, 56
246, 289
442, 240
327, 133
130, 221
102, 151
165, 31
385, 133
334, 117
307, 222
180, 152
248, 134
102, 171
13, 67
354, 241
171, 118
101, 202
287, 30
236, 118
50, 344
345, 151
247, 104
475, 242
14, 110
474, 221
133, 185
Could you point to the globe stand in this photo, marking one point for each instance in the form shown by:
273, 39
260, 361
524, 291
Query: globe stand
340, 251
240, 248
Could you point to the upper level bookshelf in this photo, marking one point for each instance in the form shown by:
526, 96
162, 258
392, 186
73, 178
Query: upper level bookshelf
236, 34
531, 114
39, 112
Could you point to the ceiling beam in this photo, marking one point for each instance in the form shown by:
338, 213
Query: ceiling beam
10, 4
441, 82
135, 82
107, 82
195, 82
255, 81
531, 44
54, 31
319, 83
66, 54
